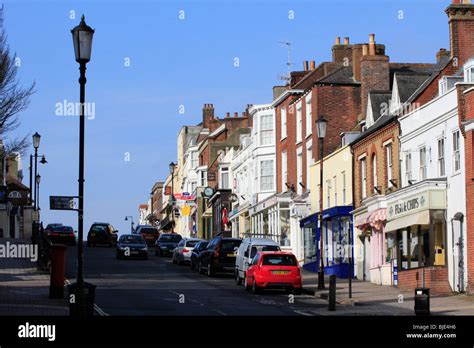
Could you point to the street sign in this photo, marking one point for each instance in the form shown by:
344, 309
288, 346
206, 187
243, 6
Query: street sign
62, 202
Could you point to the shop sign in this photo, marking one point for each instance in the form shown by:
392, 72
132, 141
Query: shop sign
409, 205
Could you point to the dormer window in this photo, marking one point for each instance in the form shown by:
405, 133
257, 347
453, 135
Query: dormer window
469, 71
443, 85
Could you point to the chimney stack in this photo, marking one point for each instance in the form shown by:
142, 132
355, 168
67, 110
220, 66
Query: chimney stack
346, 40
305, 65
312, 65
461, 26
207, 114
372, 45
442, 53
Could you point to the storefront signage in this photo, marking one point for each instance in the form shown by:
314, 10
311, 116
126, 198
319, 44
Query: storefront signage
409, 205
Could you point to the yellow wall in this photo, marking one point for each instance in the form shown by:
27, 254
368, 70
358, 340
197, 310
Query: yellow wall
333, 165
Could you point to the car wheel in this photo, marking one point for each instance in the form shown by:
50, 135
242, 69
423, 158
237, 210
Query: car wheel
179, 261
255, 288
246, 284
238, 280
210, 272
200, 270
173, 260
191, 265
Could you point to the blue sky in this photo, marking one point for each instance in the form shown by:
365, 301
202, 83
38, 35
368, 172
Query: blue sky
177, 62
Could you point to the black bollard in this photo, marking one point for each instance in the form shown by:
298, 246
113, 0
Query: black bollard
332, 292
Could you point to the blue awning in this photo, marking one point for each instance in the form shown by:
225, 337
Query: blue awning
310, 221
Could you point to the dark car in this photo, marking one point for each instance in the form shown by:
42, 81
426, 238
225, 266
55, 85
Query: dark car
166, 243
60, 234
49, 227
149, 233
195, 253
102, 233
219, 255
132, 245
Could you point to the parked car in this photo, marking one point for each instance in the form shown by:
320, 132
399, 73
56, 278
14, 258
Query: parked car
273, 270
166, 243
132, 245
195, 254
149, 233
247, 251
59, 234
219, 255
102, 233
49, 227
182, 253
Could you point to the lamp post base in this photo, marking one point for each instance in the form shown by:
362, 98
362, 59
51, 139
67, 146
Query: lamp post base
81, 299
321, 280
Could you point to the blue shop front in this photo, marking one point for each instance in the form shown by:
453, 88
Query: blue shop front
337, 234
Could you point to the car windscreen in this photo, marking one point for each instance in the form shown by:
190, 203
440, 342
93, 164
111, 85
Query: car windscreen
191, 243
279, 260
148, 230
99, 228
257, 248
230, 245
173, 238
63, 229
129, 239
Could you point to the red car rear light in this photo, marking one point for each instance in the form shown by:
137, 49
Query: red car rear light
216, 253
185, 250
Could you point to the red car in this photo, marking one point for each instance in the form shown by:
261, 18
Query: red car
274, 270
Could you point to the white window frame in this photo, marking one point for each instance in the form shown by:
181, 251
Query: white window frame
270, 175
203, 178
309, 116
299, 123
423, 172
299, 170
283, 120
374, 171
266, 134
284, 171
389, 169
408, 167
309, 160
363, 176
344, 193
441, 156
328, 196
335, 190
224, 170
456, 151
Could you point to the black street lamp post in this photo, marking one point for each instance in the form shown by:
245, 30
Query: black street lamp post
131, 222
172, 169
82, 40
321, 128
38, 180
36, 144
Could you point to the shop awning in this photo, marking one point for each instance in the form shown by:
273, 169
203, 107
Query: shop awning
377, 218
311, 220
421, 218
361, 221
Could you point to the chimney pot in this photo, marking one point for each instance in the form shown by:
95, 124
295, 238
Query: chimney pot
305, 65
227, 114
365, 50
372, 45
236, 114
346, 40
312, 65
338, 40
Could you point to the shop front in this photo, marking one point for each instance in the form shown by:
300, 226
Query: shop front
416, 227
337, 240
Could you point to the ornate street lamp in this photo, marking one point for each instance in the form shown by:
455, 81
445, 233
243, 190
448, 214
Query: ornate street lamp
36, 144
82, 42
172, 169
321, 124
131, 222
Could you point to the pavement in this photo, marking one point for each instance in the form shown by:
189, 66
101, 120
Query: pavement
24, 290
372, 299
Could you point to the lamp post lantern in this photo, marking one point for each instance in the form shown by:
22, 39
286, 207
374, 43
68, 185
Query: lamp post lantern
131, 222
82, 42
172, 169
36, 144
321, 124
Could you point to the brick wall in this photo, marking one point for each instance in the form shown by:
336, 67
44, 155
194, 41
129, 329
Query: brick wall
461, 27
466, 113
371, 144
436, 278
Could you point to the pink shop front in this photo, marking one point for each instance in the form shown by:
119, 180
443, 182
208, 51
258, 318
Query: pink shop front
373, 261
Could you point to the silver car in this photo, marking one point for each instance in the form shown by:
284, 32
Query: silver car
182, 253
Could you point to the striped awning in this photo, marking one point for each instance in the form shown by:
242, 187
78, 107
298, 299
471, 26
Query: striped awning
377, 218
361, 221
